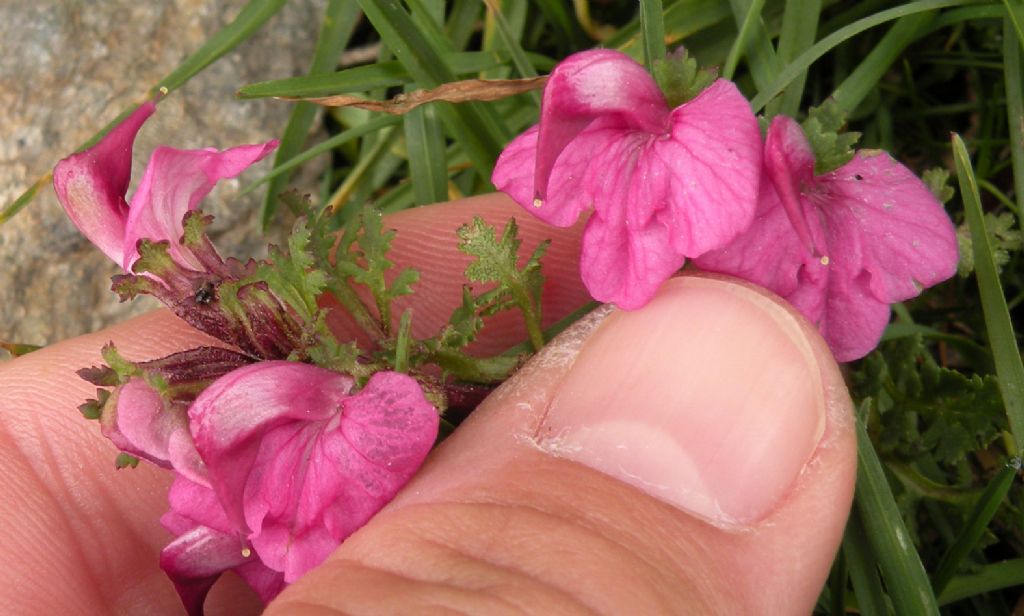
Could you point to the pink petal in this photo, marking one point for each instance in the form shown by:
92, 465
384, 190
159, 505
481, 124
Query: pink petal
686, 183
599, 83
703, 181
138, 422
626, 265
854, 319
91, 184
174, 183
907, 241
235, 411
206, 545
301, 463
769, 253
789, 162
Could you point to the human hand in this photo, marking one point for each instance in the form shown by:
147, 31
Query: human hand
694, 456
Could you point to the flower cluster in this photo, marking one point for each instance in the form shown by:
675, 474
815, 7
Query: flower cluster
285, 440
697, 181
275, 462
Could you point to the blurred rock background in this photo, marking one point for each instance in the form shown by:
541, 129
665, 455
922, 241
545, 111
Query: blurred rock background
67, 67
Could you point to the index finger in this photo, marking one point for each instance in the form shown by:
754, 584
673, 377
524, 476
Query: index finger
84, 537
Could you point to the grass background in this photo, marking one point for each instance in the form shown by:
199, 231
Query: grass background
937, 523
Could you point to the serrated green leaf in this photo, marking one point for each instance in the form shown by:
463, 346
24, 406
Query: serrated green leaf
497, 262
292, 276
362, 257
1003, 236
832, 148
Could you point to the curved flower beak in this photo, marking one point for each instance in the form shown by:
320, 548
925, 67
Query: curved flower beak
91, 186
589, 85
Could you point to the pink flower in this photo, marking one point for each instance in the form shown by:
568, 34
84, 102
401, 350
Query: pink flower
842, 246
91, 185
664, 184
276, 464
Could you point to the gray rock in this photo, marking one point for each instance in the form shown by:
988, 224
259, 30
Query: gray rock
66, 69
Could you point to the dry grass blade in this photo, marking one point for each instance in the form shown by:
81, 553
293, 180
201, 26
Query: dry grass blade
455, 92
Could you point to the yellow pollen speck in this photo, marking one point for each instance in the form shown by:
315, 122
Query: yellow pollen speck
537, 202
164, 90
246, 552
824, 260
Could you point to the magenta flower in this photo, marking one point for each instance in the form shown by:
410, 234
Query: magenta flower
842, 246
91, 185
276, 464
664, 184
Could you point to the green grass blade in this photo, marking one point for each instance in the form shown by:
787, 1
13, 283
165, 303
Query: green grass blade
988, 578
1015, 14
681, 19
869, 73
25, 198
557, 13
363, 170
462, 19
898, 561
1001, 338
863, 568
428, 167
982, 513
756, 43
511, 43
809, 57
652, 28
379, 75
325, 146
746, 28
339, 22
1014, 107
250, 19
799, 29
416, 46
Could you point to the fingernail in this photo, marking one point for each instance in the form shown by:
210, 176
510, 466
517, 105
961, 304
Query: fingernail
710, 398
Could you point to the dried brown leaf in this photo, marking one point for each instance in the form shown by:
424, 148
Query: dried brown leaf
454, 92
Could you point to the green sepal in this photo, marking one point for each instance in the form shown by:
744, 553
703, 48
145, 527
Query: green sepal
128, 286
680, 79
155, 258
125, 460
832, 148
93, 407
194, 227
121, 366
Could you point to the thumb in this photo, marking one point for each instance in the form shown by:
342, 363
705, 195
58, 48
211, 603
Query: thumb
694, 456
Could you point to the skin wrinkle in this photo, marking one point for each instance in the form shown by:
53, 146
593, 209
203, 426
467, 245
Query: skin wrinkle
444, 545
565, 510
44, 489
489, 588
